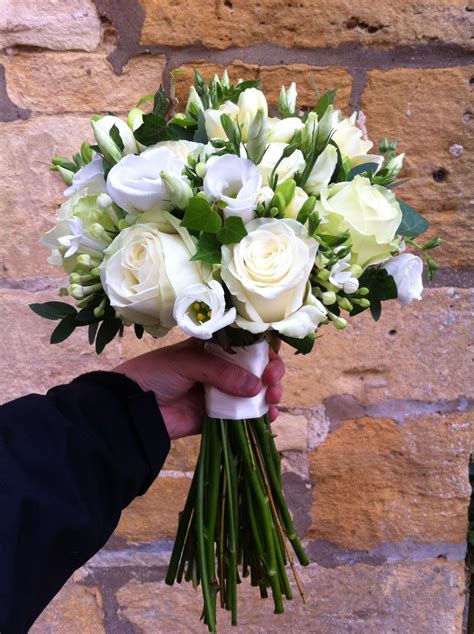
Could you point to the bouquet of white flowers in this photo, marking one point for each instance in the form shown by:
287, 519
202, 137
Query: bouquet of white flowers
241, 229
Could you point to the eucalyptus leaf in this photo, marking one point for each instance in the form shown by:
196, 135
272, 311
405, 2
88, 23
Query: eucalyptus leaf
53, 310
412, 223
360, 169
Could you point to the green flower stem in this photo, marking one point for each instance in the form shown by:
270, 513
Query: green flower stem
184, 521
265, 442
231, 477
264, 512
187, 549
220, 543
201, 541
285, 584
215, 451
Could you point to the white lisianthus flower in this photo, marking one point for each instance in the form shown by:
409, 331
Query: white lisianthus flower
406, 269
200, 311
181, 149
135, 184
371, 213
322, 170
341, 275
287, 167
267, 275
212, 120
90, 176
249, 102
350, 141
283, 130
143, 271
293, 207
236, 181
105, 124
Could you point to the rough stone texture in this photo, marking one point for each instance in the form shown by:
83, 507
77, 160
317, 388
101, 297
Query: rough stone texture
291, 431
427, 111
308, 24
155, 514
29, 192
88, 82
28, 363
51, 24
376, 481
419, 352
183, 454
272, 78
75, 609
426, 598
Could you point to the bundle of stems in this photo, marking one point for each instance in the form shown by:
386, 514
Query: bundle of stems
235, 522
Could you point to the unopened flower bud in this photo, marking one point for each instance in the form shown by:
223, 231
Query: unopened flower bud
104, 201
324, 274
328, 298
257, 136
135, 118
356, 270
66, 174
111, 152
123, 224
178, 190
363, 303
345, 304
200, 169
84, 259
364, 291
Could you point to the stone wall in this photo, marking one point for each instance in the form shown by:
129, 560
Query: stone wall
376, 426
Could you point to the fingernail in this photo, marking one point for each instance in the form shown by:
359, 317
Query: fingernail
249, 383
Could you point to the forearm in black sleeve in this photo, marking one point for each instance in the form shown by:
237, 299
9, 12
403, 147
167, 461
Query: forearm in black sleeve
70, 461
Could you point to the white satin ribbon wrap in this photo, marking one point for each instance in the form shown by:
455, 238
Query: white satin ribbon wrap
253, 358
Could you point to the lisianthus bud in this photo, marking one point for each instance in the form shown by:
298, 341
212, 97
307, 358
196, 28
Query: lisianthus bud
108, 147
200, 169
193, 100
256, 138
135, 118
66, 174
395, 165
178, 190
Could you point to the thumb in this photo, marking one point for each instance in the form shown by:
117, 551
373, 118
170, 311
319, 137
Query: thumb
203, 367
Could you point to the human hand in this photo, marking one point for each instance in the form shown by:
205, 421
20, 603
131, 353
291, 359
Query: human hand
176, 374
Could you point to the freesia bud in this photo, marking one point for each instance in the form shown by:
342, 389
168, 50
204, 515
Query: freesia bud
200, 169
356, 270
104, 201
345, 304
328, 298
178, 191
66, 174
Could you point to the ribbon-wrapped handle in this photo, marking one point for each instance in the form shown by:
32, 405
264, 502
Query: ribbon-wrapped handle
253, 358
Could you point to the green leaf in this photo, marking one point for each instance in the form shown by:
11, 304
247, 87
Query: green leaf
200, 136
324, 102
208, 249
412, 223
333, 241
62, 331
200, 216
53, 310
92, 331
360, 169
116, 138
153, 129
107, 331
161, 102
232, 231
146, 98
381, 287
139, 330
302, 346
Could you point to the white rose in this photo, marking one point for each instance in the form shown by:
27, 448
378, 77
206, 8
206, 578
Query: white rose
350, 141
249, 102
322, 170
212, 120
371, 214
143, 271
283, 130
135, 184
199, 310
295, 204
406, 270
182, 149
267, 275
90, 176
236, 181
287, 167
106, 124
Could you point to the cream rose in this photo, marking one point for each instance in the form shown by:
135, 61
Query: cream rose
267, 274
371, 214
287, 167
143, 271
249, 102
406, 269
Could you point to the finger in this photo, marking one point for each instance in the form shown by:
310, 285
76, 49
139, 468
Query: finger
273, 413
202, 367
273, 394
274, 372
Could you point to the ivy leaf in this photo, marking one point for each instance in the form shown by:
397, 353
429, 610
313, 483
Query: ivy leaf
53, 310
161, 103
153, 129
146, 98
107, 331
200, 216
302, 346
232, 231
412, 223
360, 169
208, 249
114, 134
62, 331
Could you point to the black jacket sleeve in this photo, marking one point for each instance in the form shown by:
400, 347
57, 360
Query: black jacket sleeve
70, 461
